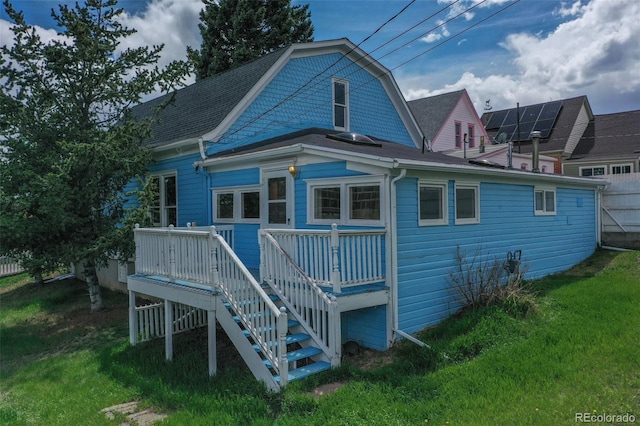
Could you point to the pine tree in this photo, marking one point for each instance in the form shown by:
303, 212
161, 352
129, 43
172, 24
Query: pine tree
69, 143
237, 31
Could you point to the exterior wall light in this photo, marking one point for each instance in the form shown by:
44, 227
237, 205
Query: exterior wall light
293, 171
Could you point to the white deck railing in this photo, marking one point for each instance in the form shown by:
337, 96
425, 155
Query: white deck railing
335, 258
151, 322
202, 258
308, 303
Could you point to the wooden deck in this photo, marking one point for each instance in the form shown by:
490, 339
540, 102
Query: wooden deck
286, 324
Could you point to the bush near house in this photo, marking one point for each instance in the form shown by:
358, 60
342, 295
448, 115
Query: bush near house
577, 355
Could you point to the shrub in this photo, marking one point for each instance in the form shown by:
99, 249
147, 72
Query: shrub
478, 281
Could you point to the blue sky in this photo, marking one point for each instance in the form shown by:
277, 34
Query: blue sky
533, 51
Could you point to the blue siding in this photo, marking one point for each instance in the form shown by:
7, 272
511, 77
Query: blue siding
366, 326
426, 255
192, 189
311, 105
245, 234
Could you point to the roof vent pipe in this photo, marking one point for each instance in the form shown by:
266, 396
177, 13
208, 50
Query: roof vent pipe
510, 155
535, 136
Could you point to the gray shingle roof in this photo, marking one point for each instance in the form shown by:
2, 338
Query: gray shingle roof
318, 138
201, 107
432, 112
611, 136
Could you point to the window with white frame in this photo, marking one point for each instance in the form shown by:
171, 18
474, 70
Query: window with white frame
593, 171
621, 169
467, 203
164, 205
340, 104
432, 203
236, 205
545, 201
353, 201
458, 134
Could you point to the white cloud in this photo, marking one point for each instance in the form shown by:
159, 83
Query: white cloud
595, 53
173, 23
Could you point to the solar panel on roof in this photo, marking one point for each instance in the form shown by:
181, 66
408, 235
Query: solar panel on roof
496, 119
540, 117
550, 110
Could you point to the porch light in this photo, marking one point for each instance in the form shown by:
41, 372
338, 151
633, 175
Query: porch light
293, 171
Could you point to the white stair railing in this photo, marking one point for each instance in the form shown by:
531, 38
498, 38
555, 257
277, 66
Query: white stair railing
259, 315
308, 303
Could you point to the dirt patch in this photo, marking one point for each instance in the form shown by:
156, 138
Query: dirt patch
327, 389
369, 359
134, 416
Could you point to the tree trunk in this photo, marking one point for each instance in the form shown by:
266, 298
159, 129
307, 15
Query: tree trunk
37, 276
91, 278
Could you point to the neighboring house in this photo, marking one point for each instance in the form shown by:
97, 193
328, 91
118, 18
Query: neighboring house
561, 123
332, 224
449, 122
451, 125
609, 146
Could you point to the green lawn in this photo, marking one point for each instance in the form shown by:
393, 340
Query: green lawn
578, 353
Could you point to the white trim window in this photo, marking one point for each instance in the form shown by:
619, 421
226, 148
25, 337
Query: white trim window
346, 201
467, 203
340, 94
545, 201
164, 206
236, 205
621, 169
593, 171
432, 203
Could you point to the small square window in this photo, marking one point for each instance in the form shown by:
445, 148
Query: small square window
467, 204
364, 202
432, 203
545, 201
327, 203
251, 205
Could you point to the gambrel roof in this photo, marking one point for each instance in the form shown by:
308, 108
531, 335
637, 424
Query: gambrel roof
208, 108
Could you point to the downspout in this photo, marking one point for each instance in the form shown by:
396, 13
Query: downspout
393, 236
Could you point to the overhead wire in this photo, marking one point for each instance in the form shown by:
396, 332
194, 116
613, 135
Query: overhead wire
304, 88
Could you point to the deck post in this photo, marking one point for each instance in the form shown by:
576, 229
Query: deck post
211, 343
335, 270
283, 365
168, 329
213, 254
262, 254
172, 256
336, 330
133, 319
136, 240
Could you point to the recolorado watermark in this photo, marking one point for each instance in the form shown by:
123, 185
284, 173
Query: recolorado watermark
604, 418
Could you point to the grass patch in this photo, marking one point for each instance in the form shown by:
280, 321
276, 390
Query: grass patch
578, 352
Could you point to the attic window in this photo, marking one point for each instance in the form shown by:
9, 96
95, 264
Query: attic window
354, 138
340, 104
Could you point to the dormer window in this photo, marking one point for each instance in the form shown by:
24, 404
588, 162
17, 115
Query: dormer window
340, 104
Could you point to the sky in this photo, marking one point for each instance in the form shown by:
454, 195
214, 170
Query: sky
503, 52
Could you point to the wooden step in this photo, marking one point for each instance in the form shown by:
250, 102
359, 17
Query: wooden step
290, 322
306, 371
298, 354
291, 338
273, 298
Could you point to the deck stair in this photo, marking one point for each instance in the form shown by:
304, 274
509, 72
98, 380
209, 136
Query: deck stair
303, 358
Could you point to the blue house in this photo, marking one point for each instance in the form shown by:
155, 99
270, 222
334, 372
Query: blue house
331, 222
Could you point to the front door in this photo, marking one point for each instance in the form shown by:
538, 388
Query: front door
278, 194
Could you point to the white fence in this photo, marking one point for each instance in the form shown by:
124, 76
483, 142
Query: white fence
151, 320
9, 266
